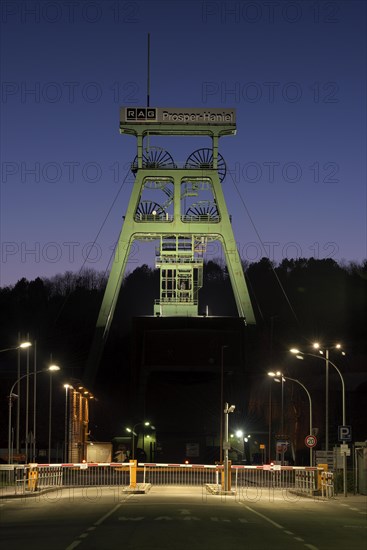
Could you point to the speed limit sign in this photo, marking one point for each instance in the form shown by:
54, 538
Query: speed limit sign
311, 440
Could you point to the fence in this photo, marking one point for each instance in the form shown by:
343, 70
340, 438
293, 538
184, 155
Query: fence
180, 474
33, 477
30, 478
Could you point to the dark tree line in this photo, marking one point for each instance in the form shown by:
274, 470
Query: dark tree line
297, 299
295, 302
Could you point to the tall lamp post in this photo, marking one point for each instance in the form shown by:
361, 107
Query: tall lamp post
309, 401
299, 354
11, 395
22, 345
52, 369
282, 380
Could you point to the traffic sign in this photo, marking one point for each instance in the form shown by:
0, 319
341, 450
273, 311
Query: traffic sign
311, 440
345, 433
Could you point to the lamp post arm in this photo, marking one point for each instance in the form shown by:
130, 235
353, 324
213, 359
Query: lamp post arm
310, 403
308, 395
341, 378
343, 388
24, 376
17, 382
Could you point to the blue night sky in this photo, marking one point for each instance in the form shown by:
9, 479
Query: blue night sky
294, 71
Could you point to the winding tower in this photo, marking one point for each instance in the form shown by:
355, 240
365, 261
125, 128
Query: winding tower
181, 207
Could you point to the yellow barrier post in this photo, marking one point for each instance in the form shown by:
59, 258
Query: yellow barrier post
32, 477
325, 468
133, 468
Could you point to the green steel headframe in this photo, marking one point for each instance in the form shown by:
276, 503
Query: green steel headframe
183, 208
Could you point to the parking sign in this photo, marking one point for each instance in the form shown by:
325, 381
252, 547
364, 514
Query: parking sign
345, 433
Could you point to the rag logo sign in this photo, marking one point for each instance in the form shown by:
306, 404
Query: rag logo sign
141, 114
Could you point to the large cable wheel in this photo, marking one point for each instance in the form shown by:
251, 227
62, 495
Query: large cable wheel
148, 208
154, 157
203, 210
202, 159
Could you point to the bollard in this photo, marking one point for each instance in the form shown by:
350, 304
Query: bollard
133, 468
229, 476
32, 477
325, 468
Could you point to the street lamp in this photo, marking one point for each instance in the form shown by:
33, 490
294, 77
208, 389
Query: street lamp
282, 380
244, 437
23, 345
11, 395
310, 403
299, 354
226, 445
52, 369
133, 433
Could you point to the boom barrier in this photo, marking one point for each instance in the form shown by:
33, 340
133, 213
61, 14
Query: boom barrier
35, 477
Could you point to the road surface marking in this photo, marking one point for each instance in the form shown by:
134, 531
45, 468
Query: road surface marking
101, 520
96, 523
265, 517
310, 546
166, 518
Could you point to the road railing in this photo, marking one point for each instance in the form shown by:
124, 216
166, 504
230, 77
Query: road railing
179, 474
30, 478
35, 477
299, 478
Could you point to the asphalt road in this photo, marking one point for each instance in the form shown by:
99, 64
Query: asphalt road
180, 518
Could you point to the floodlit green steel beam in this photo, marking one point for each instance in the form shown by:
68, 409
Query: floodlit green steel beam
148, 225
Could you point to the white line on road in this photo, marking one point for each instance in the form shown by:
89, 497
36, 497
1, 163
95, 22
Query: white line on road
310, 546
101, 520
96, 523
265, 517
